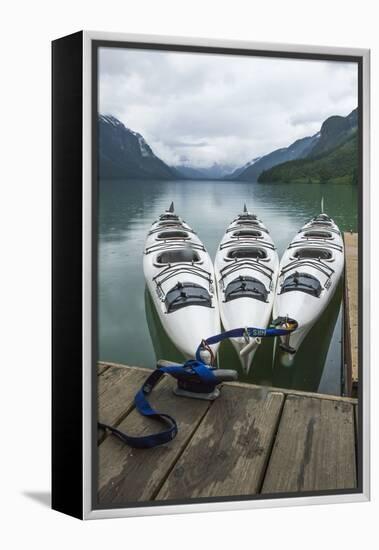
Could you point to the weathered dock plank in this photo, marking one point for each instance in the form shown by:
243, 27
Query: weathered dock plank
290, 391
130, 475
116, 391
314, 449
101, 367
228, 454
351, 306
252, 439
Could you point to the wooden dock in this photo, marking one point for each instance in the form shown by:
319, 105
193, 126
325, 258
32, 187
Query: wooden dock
351, 312
251, 440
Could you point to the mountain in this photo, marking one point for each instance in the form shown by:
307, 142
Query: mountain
217, 171
214, 172
189, 173
334, 131
239, 171
336, 165
124, 154
252, 170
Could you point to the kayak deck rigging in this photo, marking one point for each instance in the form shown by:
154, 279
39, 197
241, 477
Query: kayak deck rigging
179, 243
172, 271
313, 242
229, 244
316, 264
255, 265
172, 227
199, 296
246, 225
320, 225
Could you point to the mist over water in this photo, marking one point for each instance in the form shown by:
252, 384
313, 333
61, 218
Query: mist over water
128, 326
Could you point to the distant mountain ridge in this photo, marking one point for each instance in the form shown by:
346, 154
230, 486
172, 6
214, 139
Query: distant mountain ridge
333, 131
336, 165
239, 171
300, 148
189, 172
124, 154
215, 171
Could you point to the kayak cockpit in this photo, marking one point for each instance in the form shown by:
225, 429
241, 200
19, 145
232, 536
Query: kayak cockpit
180, 255
302, 282
247, 233
252, 252
318, 234
247, 221
169, 223
173, 234
245, 286
187, 294
313, 253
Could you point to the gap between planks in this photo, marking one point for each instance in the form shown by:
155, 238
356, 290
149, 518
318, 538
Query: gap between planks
158, 490
228, 453
288, 391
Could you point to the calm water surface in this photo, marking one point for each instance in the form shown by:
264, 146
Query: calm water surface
129, 328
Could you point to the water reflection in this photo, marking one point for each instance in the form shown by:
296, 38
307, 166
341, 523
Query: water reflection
127, 321
306, 371
163, 346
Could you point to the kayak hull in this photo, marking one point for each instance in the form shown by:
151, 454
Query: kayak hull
309, 273
176, 265
246, 269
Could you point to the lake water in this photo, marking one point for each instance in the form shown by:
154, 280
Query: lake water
129, 328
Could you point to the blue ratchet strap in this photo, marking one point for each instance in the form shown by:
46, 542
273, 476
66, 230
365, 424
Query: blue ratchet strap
239, 333
195, 372
189, 370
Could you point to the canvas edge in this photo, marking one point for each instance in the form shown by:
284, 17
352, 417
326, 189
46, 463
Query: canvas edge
88, 512
66, 292
366, 266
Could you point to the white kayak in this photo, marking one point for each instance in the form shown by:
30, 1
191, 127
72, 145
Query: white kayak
309, 273
180, 278
246, 270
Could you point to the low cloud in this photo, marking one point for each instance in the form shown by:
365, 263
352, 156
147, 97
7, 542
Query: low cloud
219, 108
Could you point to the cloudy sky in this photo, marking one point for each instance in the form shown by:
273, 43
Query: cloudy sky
198, 109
